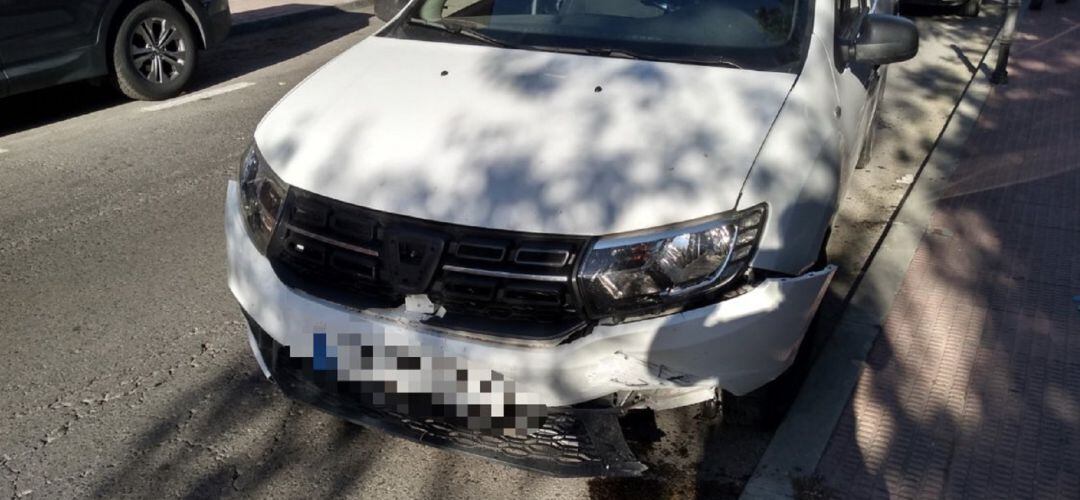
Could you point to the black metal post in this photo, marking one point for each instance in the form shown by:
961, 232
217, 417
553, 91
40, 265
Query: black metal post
1008, 32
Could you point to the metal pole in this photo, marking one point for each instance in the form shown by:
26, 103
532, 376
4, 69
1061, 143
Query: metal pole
1008, 32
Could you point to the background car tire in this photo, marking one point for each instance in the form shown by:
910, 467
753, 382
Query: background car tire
154, 53
971, 8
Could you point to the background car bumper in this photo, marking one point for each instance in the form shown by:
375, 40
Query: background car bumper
738, 344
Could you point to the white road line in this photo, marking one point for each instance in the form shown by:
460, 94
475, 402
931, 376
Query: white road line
198, 96
2, 151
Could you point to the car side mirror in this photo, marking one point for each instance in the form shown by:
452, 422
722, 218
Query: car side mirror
387, 9
884, 39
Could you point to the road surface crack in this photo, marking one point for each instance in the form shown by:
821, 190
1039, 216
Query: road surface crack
5, 462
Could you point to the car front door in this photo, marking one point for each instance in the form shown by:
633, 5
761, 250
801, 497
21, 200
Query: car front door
45, 42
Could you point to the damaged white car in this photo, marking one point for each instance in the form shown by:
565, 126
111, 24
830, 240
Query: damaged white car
498, 225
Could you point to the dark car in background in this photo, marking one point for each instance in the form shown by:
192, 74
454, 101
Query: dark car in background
150, 48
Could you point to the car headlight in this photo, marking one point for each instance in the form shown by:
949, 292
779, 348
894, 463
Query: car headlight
651, 271
262, 195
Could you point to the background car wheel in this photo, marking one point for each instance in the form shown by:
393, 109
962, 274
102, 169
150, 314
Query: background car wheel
155, 52
970, 8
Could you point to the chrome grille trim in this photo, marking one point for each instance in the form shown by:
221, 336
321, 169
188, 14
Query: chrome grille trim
330, 241
564, 257
504, 274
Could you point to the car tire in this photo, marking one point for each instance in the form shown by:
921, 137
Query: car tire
759, 409
823, 253
971, 8
154, 53
867, 149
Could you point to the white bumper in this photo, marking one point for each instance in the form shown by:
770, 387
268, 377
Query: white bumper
738, 344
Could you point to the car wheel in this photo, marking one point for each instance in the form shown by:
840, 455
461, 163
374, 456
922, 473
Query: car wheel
823, 253
867, 149
970, 8
155, 52
759, 409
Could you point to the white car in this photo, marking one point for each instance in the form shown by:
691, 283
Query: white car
499, 225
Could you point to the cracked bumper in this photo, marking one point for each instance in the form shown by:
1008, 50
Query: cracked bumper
738, 344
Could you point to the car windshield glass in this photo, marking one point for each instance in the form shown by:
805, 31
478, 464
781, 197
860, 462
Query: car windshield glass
760, 34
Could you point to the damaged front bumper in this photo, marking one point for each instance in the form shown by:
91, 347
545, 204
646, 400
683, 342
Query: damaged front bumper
738, 344
572, 442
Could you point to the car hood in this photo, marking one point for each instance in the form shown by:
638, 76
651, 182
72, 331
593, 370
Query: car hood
522, 140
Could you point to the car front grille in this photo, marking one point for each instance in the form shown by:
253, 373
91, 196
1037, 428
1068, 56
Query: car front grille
487, 281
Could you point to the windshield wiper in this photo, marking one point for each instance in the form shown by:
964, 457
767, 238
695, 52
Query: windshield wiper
466, 32
628, 54
476, 34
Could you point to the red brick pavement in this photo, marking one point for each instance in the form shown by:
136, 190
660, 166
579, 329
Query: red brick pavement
973, 388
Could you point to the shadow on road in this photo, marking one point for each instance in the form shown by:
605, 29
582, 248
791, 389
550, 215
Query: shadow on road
226, 436
237, 56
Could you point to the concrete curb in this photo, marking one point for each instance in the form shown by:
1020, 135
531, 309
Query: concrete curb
243, 28
802, 437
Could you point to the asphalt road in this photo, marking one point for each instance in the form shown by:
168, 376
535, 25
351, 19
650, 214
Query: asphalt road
127, 372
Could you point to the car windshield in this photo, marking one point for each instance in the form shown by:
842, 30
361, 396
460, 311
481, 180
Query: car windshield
759, 34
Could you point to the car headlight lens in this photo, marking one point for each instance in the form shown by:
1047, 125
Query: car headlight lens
262, 195
634, 274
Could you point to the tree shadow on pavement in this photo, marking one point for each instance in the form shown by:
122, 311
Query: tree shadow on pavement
236, 56
973, 386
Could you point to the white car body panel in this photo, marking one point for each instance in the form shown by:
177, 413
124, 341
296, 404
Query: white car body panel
801, 200
524, 140
804, 164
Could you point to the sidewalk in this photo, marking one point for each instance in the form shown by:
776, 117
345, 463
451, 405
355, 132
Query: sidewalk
256, 11
972, 388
